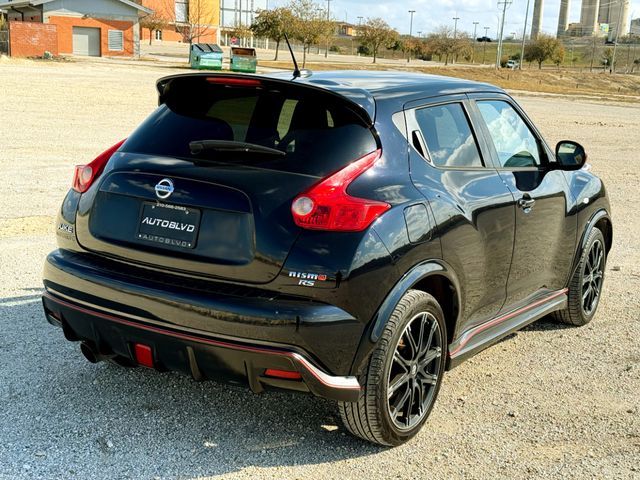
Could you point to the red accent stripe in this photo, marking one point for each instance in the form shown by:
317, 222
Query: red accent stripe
296, 357
491, 323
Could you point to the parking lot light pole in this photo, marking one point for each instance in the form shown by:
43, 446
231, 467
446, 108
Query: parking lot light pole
411, 12
484, 48
473, 52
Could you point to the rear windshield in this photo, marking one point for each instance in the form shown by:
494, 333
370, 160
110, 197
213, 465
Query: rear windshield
319, 133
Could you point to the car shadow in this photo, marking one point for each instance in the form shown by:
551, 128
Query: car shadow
547, 323
105, 418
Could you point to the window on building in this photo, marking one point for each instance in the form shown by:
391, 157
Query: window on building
116, 40
158, 34
182, 11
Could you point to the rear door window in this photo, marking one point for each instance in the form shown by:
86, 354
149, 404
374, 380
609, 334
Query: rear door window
448, 136
319, 132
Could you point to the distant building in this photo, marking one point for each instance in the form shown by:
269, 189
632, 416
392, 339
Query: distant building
344, 29
635, 27
79, 27
183, 15
595, 14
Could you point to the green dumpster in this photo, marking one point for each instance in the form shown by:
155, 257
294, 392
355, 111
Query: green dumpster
243, 59
206, 56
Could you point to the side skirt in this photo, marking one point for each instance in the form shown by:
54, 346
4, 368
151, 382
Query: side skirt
482, 336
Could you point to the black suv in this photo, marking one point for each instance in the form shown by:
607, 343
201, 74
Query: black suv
348, 234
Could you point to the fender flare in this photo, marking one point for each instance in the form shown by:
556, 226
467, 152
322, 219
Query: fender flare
582, 243
413, 276
376, 326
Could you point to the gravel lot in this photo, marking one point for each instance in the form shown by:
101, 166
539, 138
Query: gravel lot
548, 402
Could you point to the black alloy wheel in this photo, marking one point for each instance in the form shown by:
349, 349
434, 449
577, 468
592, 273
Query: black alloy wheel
592, 277
403, 375
414, 371
585, 287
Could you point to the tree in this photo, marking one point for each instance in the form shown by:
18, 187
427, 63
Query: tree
376, 33
273, 24
309, 24
442, 44
153, 22
543, 48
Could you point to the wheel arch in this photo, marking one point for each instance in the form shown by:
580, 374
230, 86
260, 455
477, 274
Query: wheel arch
434, 277
601, 220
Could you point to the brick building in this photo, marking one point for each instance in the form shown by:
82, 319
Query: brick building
107, 28
197, 19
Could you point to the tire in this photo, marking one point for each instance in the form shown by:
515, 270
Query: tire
588, 277
399, 360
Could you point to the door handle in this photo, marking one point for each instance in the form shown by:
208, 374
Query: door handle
526, 203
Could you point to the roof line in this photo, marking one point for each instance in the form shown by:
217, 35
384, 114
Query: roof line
34, 3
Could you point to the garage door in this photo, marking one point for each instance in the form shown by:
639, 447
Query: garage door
86, 41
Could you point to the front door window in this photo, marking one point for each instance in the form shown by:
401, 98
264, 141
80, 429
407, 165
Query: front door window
514, 142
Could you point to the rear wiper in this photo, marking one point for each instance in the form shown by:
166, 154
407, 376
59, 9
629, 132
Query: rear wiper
199, 146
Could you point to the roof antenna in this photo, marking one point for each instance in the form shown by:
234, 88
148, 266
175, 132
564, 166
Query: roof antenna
296, 70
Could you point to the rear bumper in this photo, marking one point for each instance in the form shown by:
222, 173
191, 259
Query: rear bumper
202, 357
96, 306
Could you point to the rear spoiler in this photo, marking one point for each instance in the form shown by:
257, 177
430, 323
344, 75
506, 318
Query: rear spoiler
361, 101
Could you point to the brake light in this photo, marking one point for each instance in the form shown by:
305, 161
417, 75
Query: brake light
328, 206
84, 175
241, 82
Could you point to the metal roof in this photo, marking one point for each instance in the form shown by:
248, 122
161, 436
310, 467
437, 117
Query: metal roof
35, 3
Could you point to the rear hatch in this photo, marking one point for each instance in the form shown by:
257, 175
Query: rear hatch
205, 184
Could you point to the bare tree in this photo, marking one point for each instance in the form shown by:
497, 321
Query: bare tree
376, 33
153, 22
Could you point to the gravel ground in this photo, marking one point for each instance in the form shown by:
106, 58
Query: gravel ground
548, 402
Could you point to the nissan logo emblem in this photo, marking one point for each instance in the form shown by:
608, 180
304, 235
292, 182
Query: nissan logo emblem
164, 188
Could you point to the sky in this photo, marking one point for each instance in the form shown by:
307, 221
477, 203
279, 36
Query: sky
432, 13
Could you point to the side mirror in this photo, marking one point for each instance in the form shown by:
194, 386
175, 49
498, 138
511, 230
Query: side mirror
570, 155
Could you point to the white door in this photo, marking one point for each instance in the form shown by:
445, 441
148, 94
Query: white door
86, 41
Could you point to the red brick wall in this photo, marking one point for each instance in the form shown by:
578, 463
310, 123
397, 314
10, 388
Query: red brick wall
29, 39
65, 34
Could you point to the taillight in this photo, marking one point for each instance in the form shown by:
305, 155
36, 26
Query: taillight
84, 175
234, 81
328, 206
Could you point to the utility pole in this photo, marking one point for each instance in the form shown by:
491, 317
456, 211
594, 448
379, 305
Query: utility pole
505, 4
455, 27
473, 52
621, 6
411, 12
484, 48
524, 36
326, 52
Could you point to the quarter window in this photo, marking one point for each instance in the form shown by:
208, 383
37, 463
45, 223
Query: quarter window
448, 135
515, 143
